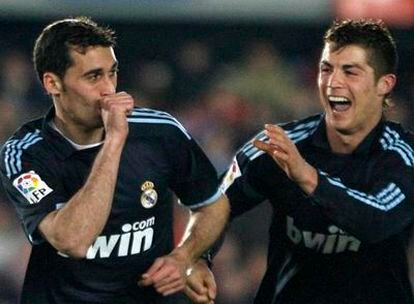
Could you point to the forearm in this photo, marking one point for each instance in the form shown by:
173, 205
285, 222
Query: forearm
308, 180
370, 216
204, 228
72, 229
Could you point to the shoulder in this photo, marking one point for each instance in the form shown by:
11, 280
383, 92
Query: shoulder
24, 143
296, 130
152, 122
397, 141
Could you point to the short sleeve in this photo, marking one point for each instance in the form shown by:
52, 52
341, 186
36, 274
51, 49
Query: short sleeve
194, 178
30, 184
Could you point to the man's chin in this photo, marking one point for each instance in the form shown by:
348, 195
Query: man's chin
339, 125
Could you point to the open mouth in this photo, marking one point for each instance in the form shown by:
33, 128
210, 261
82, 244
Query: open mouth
339, 103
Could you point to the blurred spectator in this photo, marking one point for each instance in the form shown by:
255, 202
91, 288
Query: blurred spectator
266, 82
153, 84
194, 68
19, 87
14, 252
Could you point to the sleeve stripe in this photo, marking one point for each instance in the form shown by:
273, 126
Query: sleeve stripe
297, 134
8, 146
250, 150
14, 151
159, 121
392, 141
386, 199
207, 202
303, 131
156, 117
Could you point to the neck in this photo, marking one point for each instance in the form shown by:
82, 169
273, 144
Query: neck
342, 143
79, 134
347, 140
345, 143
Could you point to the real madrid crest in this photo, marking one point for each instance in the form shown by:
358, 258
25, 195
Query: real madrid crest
149, 196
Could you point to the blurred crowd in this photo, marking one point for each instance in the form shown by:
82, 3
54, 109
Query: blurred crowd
222, 96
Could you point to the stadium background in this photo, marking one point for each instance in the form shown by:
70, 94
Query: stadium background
222, 67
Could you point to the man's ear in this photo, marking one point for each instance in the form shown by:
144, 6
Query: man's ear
386, 83
52, 83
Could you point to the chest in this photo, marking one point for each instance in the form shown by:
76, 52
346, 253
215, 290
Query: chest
142, 181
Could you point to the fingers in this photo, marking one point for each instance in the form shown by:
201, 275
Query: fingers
277, 137
201, 287
147, 278
196, 297
114, 110
168, 280
196, 285
211, 287
119, 101
165, 275
169, 288
278, 145
199, 293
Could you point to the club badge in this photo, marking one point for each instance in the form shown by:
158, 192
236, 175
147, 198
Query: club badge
149, 196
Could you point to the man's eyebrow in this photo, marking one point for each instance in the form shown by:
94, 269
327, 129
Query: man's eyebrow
100, 70
114, 66
324, 62
93, 72
344, 66
352, 65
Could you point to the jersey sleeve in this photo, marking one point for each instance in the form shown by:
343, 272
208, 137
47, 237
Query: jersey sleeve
374, 214
30, 185
194, 179
243, 181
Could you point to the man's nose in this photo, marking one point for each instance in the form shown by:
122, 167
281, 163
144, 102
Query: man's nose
108, 86
335, 79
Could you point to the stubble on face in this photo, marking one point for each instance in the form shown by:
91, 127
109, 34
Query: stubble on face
84, 87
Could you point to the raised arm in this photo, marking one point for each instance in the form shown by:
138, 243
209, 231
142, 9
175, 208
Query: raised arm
73, 228
384, 208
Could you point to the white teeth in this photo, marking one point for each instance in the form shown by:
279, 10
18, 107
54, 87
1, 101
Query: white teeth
338, 99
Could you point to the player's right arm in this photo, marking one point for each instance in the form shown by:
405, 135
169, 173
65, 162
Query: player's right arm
240, 185
73, 228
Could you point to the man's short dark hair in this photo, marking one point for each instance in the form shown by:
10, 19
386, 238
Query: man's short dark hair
51, 51
372, 35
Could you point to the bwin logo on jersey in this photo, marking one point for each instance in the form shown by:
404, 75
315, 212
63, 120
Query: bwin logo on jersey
335, 242
135, 238
149, 196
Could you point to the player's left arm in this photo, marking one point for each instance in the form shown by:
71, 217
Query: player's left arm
382, 210
168, 273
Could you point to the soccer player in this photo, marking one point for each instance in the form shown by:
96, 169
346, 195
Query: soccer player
92, 182
341, 183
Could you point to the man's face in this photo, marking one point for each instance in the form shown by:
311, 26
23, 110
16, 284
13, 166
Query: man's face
92, 76
349, 93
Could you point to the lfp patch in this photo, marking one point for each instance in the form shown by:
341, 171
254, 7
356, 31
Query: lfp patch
232, 174
32, 187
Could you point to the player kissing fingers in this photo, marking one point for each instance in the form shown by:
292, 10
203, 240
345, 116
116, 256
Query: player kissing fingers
121, 100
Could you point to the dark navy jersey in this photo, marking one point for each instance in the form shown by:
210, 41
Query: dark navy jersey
41, 171
345, 243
